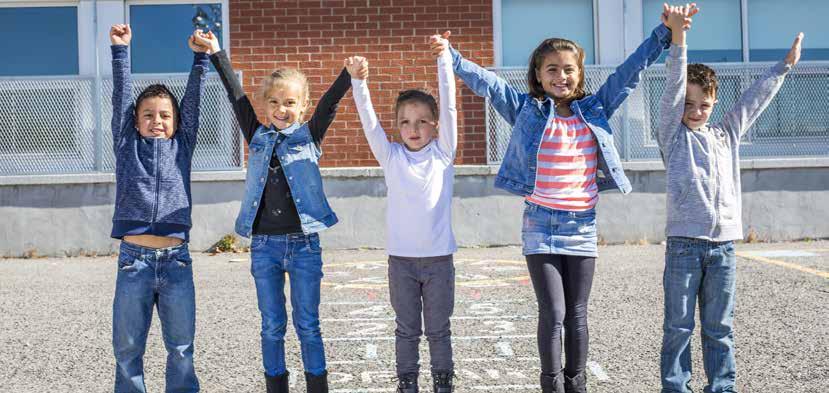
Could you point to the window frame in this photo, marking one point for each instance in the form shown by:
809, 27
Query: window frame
497, 35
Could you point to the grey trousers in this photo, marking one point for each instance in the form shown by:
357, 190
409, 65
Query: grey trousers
422, 286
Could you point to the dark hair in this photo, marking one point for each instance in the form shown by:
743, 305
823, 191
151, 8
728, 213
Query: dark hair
416, 95
703, 76
158, 90
546, 47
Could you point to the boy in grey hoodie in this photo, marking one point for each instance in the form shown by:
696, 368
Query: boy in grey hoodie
704, 205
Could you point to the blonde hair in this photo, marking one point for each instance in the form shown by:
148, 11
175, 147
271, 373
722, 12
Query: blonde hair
286, 74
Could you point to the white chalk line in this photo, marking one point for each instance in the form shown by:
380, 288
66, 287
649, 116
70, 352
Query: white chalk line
477, 317
381, 338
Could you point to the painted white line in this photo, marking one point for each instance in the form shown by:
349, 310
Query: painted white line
477, 317
506, 388
453, 338
469, 360
504, 349
462, 301
365, 390
371, 351
597, 370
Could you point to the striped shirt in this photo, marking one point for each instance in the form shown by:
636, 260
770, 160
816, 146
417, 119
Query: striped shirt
566, 174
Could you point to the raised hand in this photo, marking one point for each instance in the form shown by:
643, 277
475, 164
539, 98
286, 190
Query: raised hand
672, 15
357, 67
207, 40
439, 43
794, 54
196, 46
120, 34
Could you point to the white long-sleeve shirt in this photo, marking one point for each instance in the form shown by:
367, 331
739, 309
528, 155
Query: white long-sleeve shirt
419, 199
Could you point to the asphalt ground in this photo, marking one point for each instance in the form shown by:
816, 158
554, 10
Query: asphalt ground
55, 323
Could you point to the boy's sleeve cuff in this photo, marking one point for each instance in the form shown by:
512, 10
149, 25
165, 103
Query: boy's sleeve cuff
119, 51
781, 68
677, 51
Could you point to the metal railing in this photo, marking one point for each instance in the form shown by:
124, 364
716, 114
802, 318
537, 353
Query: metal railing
795, 124
59, 125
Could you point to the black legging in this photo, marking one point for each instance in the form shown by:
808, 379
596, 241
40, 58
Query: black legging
562, 286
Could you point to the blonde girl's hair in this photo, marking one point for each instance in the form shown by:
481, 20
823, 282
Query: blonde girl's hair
286, 74
537, 59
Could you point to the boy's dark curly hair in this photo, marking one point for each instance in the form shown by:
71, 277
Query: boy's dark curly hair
158, 90
704, 77
416, 95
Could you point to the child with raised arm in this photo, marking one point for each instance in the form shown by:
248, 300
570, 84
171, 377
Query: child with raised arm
153, 140
283, 209
560, 156
420, 243
702, 163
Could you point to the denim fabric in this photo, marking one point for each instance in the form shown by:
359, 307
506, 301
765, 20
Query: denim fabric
422, 286
697, 269
550, 231
299, 157
146, 278
528, 116
300, 257
152, 176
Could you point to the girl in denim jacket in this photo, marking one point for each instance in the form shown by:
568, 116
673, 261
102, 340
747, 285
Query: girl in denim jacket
283, 208
560, 156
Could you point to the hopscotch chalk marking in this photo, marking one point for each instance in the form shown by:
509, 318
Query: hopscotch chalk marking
598, 371
504, 349
371, 351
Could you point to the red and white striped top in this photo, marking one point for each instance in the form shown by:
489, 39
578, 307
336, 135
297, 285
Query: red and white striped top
566, 174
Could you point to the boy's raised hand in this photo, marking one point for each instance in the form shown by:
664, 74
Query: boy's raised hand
439, 43
677, 17
794, 54
120, 34
357, 67
195, 45
207, 40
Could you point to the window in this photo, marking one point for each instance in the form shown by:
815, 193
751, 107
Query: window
770, 36
39, 41
716, 35
159, 44
525, 23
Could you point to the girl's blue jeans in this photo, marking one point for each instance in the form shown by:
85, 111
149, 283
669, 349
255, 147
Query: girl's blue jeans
300, 257
148, 278
704, 271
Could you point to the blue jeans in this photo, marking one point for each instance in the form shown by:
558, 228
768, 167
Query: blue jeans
148, 278
704, 270
301, 257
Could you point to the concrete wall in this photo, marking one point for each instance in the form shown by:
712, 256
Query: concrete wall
71, 215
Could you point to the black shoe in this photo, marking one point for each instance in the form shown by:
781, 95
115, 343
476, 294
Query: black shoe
552, 383
316, 383
407, 383
577, 384
442, 381
277, 384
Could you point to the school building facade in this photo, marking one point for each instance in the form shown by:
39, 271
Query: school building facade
56, 165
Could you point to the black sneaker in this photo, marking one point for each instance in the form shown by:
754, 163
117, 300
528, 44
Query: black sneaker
442, 381
407, 383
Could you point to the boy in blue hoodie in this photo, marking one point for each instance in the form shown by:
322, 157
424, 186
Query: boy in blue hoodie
153, 140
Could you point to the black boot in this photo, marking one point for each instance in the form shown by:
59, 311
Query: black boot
442, 381
552, 383
577, 384
407, 383
317, 383
278, 384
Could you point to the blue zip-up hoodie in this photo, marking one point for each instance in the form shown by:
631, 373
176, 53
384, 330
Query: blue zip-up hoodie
529, 116
152, 176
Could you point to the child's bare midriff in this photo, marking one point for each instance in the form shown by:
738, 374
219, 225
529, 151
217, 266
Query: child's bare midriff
153, 241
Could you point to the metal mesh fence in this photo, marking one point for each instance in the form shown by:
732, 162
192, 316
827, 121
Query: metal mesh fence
49, 124
795, 124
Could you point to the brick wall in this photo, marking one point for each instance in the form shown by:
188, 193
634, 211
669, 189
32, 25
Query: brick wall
315, 36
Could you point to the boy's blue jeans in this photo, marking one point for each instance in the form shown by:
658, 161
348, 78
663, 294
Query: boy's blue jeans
704, 270
147, 278
300, 256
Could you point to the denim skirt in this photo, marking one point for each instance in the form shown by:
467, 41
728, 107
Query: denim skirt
551, 231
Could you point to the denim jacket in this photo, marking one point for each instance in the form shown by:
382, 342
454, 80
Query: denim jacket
152, 176
529, 116
299, 157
